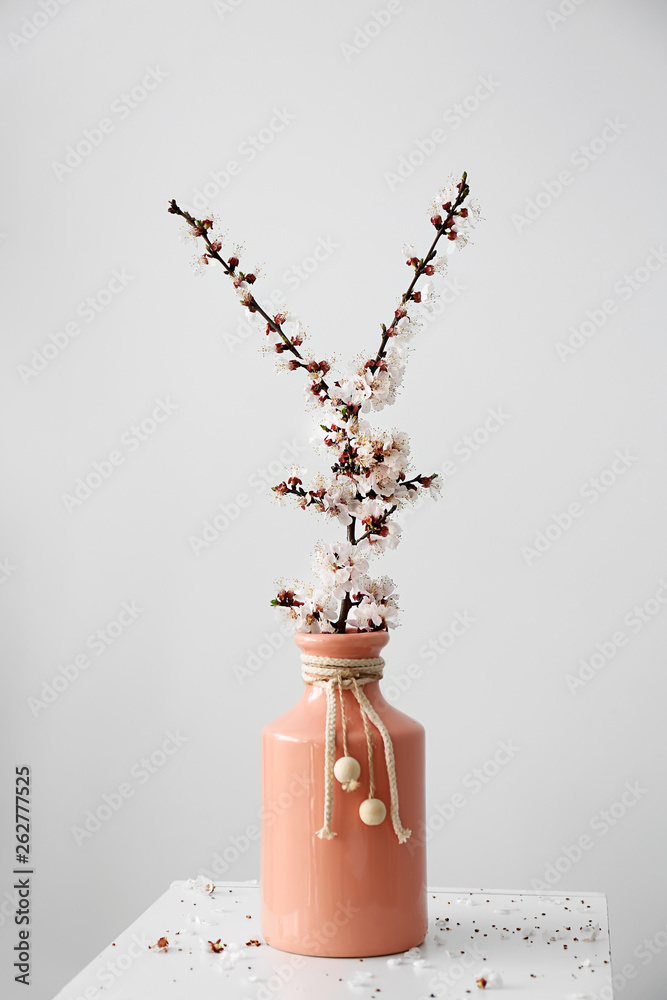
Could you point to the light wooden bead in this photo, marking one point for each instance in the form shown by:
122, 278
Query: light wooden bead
347, 769
372, 811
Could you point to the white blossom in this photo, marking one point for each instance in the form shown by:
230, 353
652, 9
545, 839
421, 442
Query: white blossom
428, 291
373, 514
449, 193
372, 389
339, 566
378, 605
312, 613
339, 499
405, 329
292, 326
384, 458
353, 390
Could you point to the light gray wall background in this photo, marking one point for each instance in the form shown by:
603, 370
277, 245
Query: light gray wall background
521, 93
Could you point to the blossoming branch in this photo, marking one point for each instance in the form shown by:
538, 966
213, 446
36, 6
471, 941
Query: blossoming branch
371, 475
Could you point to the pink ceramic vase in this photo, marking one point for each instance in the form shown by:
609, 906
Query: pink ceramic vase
360, 893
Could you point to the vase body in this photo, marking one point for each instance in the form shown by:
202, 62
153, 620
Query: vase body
360, 893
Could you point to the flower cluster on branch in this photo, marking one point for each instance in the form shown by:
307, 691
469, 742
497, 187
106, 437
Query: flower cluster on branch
371, 476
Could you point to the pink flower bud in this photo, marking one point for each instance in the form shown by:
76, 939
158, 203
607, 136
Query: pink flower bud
417, 296
429, 269
436, 220
233, 262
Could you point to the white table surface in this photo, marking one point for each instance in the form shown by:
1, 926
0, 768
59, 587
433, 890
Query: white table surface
525, 944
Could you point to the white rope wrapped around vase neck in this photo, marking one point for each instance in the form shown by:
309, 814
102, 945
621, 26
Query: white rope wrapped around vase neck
335, 673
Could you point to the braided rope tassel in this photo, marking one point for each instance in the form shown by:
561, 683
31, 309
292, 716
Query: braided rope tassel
351, 784
326, 833
369, 740
370, 712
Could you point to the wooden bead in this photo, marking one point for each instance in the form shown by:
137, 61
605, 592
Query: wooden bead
347, 769
372, 811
